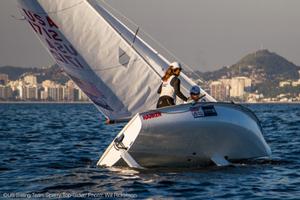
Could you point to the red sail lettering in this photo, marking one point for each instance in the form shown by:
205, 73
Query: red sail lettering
51, 23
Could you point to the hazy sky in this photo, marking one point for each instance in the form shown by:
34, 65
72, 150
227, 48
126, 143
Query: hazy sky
205, 34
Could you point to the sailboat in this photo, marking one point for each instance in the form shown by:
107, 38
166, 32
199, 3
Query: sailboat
120, 73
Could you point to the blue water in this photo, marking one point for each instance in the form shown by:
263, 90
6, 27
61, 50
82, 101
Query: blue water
52, 149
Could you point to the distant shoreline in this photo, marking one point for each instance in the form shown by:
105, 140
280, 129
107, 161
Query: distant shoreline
87, 102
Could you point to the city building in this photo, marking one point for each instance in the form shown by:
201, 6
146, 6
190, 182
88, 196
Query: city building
3, 79
48, 83
235, 87
27, 88
296, 83
14, 84
218, 90
69, 93
227, 85
21, 92
82, 96
30, 80
254, 97
5, 92
27, 92
56, 93
284, 83
52, 91
239, 86
44, 95
31, 93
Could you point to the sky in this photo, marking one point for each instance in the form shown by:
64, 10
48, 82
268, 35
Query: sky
205, 34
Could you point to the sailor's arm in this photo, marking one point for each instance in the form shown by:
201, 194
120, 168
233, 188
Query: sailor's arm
176, 84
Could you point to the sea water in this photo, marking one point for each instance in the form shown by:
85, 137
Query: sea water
50, 151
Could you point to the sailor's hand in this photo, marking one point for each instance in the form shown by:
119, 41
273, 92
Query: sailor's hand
107, 121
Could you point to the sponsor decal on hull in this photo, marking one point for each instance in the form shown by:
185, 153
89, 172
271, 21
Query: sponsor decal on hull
203, 111
153, 115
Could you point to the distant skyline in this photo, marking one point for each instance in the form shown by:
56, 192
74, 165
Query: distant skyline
205, 34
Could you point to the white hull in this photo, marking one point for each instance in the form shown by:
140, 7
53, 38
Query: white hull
188, 136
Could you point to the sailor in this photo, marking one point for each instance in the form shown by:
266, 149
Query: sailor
170, 87
195, 93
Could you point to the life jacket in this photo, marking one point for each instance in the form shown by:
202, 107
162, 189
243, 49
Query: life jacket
167, 89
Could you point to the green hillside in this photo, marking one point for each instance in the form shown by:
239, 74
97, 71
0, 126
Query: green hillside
267, 64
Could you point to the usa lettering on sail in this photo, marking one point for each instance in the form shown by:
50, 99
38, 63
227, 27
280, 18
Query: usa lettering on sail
47, 29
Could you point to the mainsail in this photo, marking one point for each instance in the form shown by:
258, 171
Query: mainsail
116, 69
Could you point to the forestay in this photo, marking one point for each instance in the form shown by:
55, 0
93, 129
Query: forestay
119, 72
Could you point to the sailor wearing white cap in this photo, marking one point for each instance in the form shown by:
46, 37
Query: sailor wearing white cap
170, 86
176, 65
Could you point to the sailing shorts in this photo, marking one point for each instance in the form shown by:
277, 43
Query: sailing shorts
165, 101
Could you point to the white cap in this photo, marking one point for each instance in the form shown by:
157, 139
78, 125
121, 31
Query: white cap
176, 65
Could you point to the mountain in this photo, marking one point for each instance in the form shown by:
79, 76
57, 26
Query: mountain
266, 69
15, 72
263, 63
53, 73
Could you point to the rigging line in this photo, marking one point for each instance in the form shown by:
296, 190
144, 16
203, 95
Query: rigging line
154, 40
135, 35
62, 10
